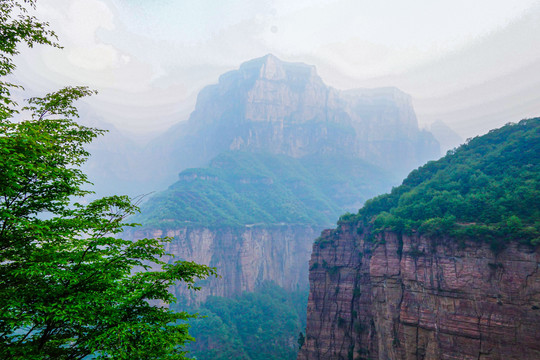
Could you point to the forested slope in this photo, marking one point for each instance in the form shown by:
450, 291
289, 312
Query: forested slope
241, 188
487, 188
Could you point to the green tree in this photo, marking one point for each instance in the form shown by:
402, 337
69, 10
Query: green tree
69, 286
485, 190
16, 27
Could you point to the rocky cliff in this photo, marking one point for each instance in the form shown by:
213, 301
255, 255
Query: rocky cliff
244, 256
282, 148
273, 106
445, 266
254, 216
410, 297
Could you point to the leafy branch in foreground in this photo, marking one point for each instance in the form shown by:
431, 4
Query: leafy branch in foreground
69, 286
18, 26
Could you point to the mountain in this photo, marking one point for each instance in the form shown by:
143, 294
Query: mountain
284, 155
447, 138
241, 188
254, 215
445, 266
270, 157
269, 105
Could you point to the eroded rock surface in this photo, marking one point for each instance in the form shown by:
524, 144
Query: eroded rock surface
243, 256
269, 105
409, 297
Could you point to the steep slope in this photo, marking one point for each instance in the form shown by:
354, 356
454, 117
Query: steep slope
272, 106
245, 257
287, 154
446, 266
254, 216
242, 188
283, 156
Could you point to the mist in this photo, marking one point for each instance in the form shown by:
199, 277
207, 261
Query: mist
473, 66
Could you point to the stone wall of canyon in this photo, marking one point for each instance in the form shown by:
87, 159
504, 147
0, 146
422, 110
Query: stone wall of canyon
243, 256
409, 297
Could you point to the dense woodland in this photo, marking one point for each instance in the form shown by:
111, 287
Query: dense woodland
240, 188
485, 190
260, 325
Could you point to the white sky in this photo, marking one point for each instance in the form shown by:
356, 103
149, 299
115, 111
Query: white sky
474, 64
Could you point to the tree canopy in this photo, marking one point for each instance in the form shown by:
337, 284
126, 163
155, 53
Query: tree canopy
260, 325
70, 286
240, 188
486, 189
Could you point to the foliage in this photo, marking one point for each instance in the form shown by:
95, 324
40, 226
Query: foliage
261, 325
486, 189
17, 26
240, 188
69, 285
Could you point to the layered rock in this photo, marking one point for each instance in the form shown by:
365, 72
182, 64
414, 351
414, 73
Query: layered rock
410, 297
243, 256
285, 110
269, 105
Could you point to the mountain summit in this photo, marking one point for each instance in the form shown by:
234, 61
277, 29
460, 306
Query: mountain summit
280, 107
272, 106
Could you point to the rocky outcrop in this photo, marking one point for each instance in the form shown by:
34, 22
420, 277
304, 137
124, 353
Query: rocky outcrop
269, 105
243, 256
410, 297
273, 106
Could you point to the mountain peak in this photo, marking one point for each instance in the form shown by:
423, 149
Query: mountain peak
270, 67
282, 107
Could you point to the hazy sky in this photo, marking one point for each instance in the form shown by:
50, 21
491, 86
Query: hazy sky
474, 64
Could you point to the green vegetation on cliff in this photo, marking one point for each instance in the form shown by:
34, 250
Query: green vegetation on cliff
241, 188
487, 189
70, 288
261, 325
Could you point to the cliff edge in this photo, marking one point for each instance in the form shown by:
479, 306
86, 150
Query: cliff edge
410, 297
445, 266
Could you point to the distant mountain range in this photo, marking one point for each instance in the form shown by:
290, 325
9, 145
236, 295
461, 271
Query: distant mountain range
275, 107
269, 158
274, 156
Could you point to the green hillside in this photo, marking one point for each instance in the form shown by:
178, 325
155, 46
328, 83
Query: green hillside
260, 325
487, 189
240, 188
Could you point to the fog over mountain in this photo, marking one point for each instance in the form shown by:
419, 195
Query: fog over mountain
244, 130
447, 138
471, 65
270, 106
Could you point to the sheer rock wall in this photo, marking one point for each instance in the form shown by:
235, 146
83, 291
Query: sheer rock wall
243, 256
409, 297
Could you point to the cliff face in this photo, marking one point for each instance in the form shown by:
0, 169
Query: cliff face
269, 105
244, 256
409, 297
273, 106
